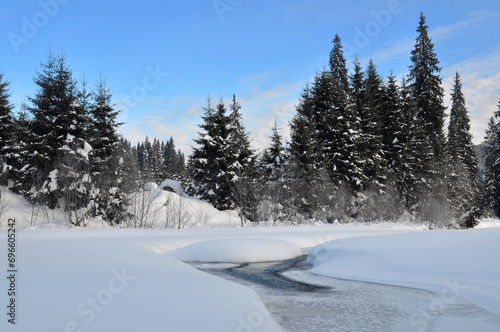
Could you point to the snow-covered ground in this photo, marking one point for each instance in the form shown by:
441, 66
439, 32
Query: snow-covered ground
135, 280
460, 265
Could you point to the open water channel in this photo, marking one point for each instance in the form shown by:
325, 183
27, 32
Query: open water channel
302, 301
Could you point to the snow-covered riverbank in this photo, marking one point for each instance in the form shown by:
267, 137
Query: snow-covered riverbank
126, 280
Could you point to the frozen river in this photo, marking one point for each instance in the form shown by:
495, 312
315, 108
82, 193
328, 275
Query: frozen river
302, 301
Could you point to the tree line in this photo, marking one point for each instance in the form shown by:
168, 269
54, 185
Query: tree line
63, 149
361, 148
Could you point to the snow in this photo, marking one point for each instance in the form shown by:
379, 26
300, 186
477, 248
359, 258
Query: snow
53, 180
109, 281
172, 184
84, 152
132, 279
150, 186
237, 251
461, 264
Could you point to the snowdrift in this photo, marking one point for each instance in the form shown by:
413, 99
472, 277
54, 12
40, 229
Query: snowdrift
455, 264
237, 251
95, 281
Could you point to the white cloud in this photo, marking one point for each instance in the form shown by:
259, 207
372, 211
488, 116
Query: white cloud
402, 48
262, 107
181, 116
446, 31
480, 80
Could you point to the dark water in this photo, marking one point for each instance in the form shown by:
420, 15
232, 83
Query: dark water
302, 301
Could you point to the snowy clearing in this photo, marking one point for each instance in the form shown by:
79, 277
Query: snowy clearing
126, 279
455, 264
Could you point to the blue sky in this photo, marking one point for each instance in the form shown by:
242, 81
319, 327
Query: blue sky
162, 58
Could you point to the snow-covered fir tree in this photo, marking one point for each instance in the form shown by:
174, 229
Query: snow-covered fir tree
106, 163
9, 147
304, 159
491, 194
370, 120
57, 118
491, 149
272, 165
208, 162
340, 132
463, 184
241, 165
427, 91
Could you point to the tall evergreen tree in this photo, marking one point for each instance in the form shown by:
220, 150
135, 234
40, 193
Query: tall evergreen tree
426, 90
392, 125
156, 162
339, 140
241, 164
208, 162
410, 166
304, 154
106, 165
370, 118
491, 196
42, 147
9, 148
428, 93
57, 119
492, 154
170, 159
272, 165
273, 157
463, 184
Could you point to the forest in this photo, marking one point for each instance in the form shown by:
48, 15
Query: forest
362, 148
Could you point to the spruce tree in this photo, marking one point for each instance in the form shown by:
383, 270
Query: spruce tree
170, 159
491, 196
393, 138
496, 170
57, 119
272, 165
491, 154
273, 156
72, 164
156, 162
9, 148
339, 139
370, 117
426, 90
410, 157
463, 184
208, 162
304, 155
130, 166
42, 146
241, 164
106, 164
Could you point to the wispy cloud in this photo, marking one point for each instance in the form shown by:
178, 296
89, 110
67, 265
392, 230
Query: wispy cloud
480, 79
447, 31
181, 116
402, 48
261, 108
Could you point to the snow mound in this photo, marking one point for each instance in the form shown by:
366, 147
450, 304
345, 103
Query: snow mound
237, 251
457, 265
83, 281
172, 184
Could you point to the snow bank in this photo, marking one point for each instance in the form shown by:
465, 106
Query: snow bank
455, 264
108, 281
237, 251
172, 184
